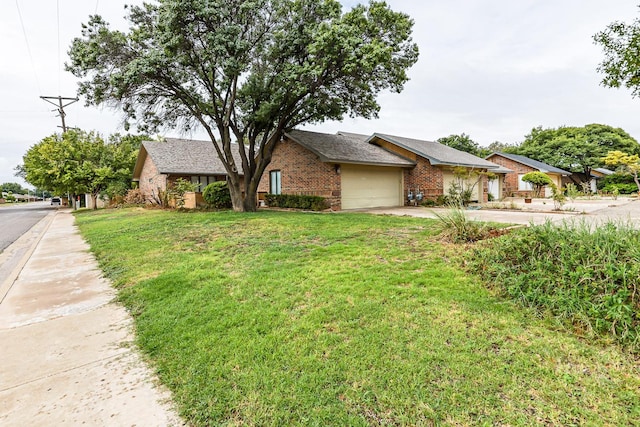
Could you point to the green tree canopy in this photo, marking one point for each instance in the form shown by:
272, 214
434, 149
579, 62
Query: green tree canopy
244, 70
13, 187
621, 65
78, 162
464, 143
538, 180
626, 163
576, 149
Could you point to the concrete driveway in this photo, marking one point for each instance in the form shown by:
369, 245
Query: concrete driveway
515, 211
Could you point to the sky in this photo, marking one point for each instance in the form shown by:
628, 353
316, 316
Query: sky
492, 69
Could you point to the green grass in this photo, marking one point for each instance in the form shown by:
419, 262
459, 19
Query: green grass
305, 319
587, 277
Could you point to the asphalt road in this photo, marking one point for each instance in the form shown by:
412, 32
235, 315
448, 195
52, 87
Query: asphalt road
17, 219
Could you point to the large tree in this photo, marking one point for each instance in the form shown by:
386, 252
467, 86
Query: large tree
621, 66
463, 142
13, 187
576, 149
78, 162
244, 70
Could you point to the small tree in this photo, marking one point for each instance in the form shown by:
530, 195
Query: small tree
538, 180
179, 188
626, 163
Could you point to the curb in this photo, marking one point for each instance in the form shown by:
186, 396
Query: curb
5, 287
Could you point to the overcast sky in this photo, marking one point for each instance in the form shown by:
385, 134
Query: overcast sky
492, 69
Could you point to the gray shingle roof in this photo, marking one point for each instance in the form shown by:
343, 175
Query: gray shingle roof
187, 157
542, 167
604, 171
347, 148
436, 153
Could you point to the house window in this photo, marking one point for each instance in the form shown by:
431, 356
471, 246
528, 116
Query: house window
522, 185
275, 182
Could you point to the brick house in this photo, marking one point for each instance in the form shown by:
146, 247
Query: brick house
358, 171
521, 165
159, 164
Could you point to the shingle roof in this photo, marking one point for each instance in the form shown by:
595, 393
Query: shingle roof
184, 157
604, 171
436, 153
347, 148
542, 167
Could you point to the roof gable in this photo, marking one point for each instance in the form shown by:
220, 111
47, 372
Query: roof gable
183, 157
347, 148
542, 167
436, 153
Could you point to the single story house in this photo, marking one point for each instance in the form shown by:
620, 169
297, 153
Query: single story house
358, 171
579, 178
161, 163
521, 165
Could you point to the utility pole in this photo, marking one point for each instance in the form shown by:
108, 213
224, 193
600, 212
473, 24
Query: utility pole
60, 106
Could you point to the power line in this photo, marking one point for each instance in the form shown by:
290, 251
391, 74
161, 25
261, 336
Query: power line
96, 11
26, 40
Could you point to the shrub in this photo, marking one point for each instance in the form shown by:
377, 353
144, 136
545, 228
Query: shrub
572, 191
217, 195
620, 188
134, 197
585, 277
313, 203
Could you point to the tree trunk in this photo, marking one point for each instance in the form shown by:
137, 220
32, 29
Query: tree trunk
637, 181
94, 200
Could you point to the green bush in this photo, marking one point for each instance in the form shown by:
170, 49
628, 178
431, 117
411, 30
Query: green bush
217, 195
616, 178
586, 277
620, 188
313, 203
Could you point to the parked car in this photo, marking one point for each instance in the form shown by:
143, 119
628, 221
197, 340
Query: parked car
55, 201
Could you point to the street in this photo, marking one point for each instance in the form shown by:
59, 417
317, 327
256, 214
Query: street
16, 219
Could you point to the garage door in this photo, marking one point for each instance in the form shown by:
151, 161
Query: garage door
371, 187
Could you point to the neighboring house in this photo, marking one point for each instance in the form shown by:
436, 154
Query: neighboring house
357, 171
521, 165
160, 164
579, 178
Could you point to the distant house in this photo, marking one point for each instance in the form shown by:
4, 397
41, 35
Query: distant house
521, 165
358, 171
579, 178
160, 164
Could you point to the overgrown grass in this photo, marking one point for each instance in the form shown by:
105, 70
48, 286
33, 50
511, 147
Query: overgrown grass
583, 275
458, 228
315, 319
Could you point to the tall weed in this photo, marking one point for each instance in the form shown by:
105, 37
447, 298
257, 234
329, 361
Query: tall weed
458, 228
582, 274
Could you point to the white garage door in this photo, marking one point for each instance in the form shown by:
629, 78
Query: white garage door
371, 186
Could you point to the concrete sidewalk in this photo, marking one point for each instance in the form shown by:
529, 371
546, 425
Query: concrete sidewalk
67, 352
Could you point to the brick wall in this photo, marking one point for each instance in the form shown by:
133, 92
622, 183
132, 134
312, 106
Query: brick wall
151, 181
302, 173
510, 188
423, 177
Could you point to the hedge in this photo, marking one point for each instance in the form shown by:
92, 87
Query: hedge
313, 203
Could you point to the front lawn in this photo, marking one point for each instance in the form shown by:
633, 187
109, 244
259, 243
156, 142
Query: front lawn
280, 318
